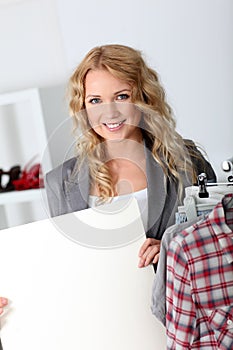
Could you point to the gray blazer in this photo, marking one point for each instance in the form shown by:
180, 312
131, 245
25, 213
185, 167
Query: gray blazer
68, 189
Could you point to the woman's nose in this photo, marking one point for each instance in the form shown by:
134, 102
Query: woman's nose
110, 110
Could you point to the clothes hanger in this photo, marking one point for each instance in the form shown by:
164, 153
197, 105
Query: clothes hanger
227, 165
203, 198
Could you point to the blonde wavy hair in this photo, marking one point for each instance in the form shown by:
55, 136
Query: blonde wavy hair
127, 64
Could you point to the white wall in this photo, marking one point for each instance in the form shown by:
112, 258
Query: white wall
188, 42
31, 48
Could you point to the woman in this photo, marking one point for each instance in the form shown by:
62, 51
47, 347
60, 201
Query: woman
128, 144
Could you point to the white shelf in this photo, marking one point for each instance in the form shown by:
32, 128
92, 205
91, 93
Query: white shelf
21, 196
22, 125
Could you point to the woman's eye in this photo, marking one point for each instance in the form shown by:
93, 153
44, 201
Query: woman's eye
122, 97
94, 101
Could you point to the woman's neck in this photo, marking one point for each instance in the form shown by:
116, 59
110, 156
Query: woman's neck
126, 162
126, 149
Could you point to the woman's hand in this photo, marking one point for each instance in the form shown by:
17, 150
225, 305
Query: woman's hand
149, 252
3, 303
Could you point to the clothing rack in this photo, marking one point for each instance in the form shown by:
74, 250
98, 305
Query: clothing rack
204, 197
199, 295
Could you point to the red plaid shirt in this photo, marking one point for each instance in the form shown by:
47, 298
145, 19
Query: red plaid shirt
199, 292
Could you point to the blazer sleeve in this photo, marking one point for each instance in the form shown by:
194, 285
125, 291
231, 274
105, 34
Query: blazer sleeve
200, 164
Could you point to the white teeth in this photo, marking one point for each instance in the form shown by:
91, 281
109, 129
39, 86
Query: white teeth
113, 125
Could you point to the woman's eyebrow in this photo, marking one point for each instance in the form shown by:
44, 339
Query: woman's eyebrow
92, 95
118, 92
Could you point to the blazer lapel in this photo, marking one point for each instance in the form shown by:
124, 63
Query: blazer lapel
156, 184
77, 188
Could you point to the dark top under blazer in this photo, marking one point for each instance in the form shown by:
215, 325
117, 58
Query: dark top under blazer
68, 189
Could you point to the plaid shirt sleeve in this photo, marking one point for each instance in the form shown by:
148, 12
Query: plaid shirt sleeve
181, 314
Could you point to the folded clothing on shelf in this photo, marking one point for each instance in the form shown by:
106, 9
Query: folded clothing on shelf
30, 177
13, 174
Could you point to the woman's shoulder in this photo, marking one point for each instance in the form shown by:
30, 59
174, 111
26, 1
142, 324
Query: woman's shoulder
62, 171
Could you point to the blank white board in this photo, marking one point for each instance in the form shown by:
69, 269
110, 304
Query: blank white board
68, 296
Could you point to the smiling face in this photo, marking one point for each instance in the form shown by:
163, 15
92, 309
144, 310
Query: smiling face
110, 110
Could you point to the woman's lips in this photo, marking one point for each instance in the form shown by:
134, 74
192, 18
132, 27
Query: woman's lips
114, 126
